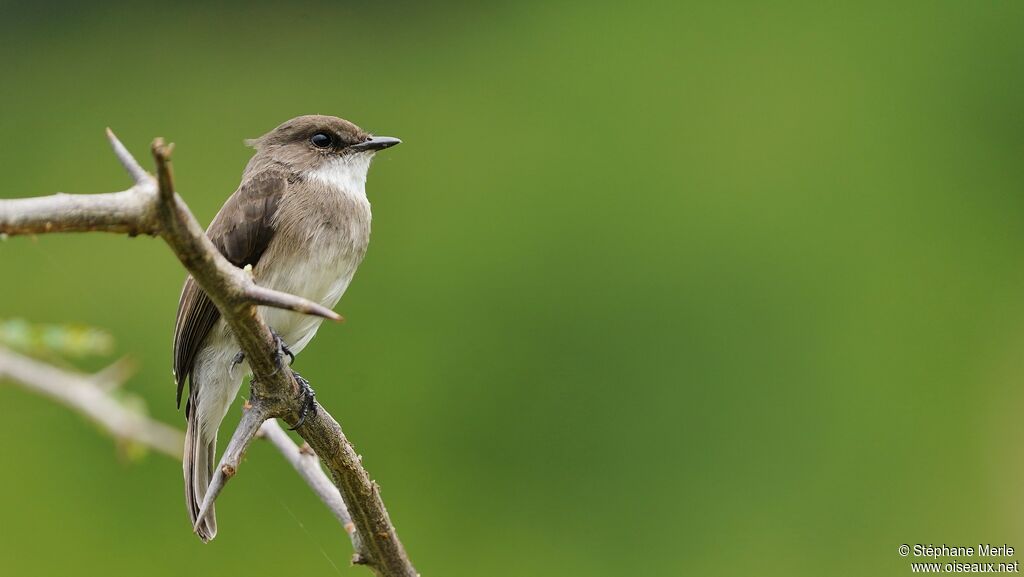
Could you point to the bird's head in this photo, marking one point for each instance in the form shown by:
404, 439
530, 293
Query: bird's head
315, 142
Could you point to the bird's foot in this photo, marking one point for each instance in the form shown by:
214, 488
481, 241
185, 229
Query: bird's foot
282, 348
308, 399
238, 358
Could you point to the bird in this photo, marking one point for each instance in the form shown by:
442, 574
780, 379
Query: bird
301, 219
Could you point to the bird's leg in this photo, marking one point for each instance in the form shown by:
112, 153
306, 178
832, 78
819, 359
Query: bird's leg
238, 358
305, 391
282, 349
308, 399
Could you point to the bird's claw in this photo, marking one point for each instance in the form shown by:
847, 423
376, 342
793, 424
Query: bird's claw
308, 399
238, 358
282, 348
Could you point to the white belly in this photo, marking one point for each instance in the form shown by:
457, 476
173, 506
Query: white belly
324, 283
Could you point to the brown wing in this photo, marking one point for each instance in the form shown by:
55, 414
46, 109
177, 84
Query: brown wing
241, 231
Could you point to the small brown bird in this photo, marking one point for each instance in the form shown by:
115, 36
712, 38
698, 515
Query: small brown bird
301, 218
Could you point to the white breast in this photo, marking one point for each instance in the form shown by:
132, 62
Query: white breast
326, 233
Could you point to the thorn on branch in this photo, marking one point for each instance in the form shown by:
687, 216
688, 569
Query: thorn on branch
264, 296
135, 170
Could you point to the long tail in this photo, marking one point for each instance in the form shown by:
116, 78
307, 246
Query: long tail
200, 451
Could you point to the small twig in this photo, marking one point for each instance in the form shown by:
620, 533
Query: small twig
114, 375
252, 419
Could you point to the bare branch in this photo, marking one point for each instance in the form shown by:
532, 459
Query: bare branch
307, 465
125, 212
79, 393
65, 386
252, 419
164, 174
383, 551
156, 209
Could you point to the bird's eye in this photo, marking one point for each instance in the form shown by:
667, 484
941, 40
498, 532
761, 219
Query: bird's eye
321, 140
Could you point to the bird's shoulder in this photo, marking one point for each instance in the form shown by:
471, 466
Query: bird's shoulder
244, 226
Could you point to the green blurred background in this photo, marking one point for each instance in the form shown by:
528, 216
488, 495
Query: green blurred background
655, 288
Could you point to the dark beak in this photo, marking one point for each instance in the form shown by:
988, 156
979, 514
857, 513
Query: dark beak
376, 143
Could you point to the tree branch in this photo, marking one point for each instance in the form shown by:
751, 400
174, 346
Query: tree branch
153, 207
91, 396
81, 393
307, 465
252, 419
